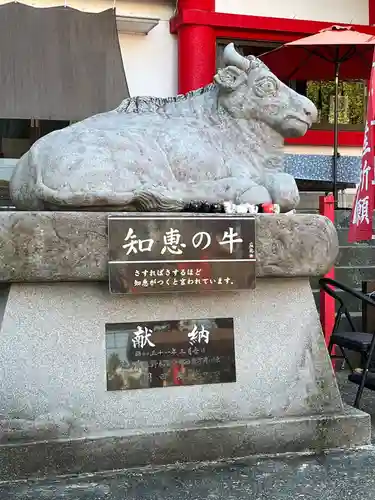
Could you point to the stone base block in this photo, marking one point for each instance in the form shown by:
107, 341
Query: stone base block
56, 415
216, 441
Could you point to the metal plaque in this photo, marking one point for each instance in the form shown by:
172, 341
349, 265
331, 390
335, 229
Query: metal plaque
143, 355
161, 254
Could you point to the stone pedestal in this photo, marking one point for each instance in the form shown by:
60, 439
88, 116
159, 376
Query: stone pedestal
58, 417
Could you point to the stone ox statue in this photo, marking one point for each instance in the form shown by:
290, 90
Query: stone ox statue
223, 142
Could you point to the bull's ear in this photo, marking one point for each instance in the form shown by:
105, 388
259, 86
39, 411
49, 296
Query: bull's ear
230, 78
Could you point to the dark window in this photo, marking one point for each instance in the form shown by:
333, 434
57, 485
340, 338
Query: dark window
17, 136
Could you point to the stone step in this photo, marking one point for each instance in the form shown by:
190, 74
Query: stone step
351, 276
70, 470
357, 320
342, 216
354, 276
312, 198
309, 200
307, 211
344, 325
353, 304
356, 256
342, 219
343, 240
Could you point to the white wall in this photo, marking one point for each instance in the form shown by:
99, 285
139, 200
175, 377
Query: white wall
338, 11
150, 61
7, 165
321, 150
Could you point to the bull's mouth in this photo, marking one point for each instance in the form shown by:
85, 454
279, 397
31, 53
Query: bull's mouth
299, 119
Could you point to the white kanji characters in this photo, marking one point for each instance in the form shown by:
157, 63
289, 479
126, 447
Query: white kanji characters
142, 337
172, 242
366, 146
230, 238
198, 239
361, 211
364, 176
197, 336
134, 245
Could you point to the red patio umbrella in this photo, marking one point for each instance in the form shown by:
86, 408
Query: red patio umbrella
335, 52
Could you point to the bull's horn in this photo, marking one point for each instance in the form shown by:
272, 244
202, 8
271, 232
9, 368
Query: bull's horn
232, 57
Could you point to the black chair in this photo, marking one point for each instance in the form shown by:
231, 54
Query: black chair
360, 342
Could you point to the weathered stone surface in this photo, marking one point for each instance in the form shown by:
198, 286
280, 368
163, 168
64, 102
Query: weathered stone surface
315, 433
57, 415
222, 142
338, 475
73, 246
299, 245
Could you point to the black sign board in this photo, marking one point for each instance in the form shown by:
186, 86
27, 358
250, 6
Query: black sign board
143, 355
158, 253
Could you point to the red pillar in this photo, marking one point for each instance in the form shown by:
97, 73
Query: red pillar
371, 12
196, 49
327, 303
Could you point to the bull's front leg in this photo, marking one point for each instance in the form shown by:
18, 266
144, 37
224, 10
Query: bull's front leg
247, 184
283, 190
255, 195
235, 189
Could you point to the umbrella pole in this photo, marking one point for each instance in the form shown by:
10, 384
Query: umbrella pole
336, 131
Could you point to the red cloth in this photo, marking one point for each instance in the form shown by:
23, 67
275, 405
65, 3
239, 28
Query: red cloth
360, 228
176, 370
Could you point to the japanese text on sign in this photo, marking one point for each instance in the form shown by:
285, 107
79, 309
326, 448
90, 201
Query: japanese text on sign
159, 254
173, 243
361, 212
175, 278
142, 355
142, 336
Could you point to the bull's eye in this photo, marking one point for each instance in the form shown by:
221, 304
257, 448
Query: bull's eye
266, 86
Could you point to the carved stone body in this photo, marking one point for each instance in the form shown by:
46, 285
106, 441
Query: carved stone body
221, 143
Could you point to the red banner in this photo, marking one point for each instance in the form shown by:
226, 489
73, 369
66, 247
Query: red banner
360, 228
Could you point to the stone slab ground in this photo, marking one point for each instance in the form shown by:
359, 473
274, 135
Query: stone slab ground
333, 476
